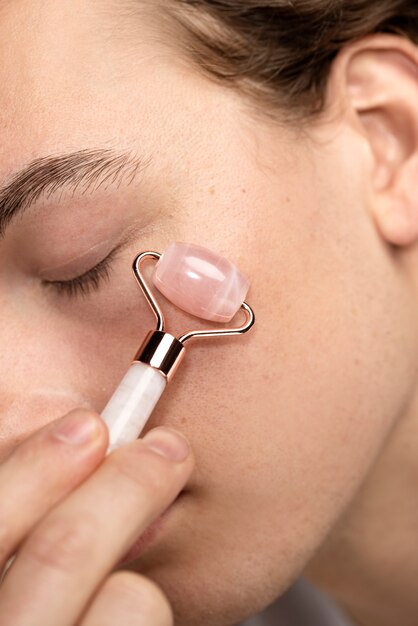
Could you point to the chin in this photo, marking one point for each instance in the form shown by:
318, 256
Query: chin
202, 598
213, 587
211, 574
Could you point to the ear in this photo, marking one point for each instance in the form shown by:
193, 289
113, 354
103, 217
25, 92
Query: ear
379, 78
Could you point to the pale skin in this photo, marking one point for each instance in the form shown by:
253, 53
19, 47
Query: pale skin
303, 431
58, 529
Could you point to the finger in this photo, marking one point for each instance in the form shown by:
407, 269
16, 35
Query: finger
43, 469
73, 549
128, 598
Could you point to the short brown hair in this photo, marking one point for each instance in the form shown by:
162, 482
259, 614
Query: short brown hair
279, 52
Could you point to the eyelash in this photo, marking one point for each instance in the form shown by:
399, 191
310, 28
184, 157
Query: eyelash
85, 283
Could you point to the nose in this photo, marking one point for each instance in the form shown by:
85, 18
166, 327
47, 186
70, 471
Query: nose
23, 411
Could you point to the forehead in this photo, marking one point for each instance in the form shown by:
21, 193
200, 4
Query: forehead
49, 47
82, 74
66, 69
55, 55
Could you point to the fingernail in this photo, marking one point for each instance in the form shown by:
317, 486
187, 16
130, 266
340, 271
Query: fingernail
169, 443
77, 429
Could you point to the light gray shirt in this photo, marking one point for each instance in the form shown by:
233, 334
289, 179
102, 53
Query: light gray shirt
302, 605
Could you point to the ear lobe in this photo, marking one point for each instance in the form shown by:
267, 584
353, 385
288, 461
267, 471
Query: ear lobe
381, 74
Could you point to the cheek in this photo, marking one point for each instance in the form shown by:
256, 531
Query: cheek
287, 421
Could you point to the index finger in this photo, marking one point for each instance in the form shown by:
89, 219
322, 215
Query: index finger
59, 567
43, 469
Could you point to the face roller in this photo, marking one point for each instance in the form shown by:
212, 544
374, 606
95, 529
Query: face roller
201, 283
197, 281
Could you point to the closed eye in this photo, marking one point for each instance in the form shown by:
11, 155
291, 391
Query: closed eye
86, 283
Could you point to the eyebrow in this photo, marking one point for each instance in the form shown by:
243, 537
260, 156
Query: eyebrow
86, 169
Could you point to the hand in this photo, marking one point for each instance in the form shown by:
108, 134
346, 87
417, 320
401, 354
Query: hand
70, 532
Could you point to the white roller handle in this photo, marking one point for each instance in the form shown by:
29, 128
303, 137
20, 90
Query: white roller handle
132, 403
127, 411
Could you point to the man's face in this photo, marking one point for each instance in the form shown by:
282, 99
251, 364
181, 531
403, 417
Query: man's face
284, 421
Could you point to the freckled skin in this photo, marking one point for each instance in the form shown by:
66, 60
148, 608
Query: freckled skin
287, 421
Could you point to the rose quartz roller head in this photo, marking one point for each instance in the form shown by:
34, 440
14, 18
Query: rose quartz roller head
201, 283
